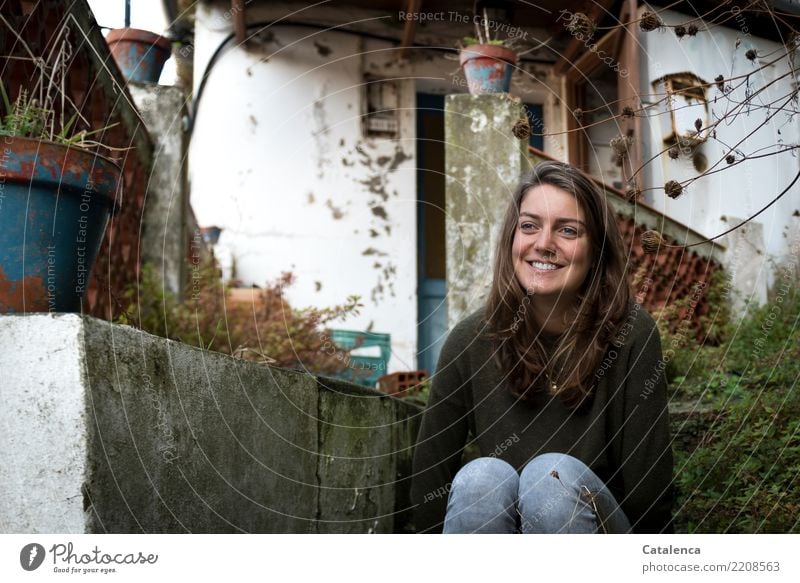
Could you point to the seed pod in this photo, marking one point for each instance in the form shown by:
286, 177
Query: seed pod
673, 189
578, 113
582, 25
698, 124
674, 152
522, 129
730, 158
651, 242
627, 111
649, 21
620, 145
632, 194
680, 31
751, 54
720, 81
692, 30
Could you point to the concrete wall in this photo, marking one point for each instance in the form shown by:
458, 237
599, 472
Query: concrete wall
109, 429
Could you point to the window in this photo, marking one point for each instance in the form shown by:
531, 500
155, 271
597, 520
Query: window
381, 102
686, 103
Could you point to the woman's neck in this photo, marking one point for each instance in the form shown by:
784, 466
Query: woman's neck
553, 317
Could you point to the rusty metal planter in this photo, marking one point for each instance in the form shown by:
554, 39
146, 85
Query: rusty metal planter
140, 54
488, 68
55, 202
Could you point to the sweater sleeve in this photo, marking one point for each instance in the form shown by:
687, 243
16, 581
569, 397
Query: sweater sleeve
441, 439
646, 444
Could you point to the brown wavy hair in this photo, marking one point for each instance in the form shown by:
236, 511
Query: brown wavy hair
603, 300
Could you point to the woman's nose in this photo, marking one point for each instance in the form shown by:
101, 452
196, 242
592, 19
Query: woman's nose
544, 241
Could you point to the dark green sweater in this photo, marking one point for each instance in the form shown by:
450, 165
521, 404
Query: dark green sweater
623, 436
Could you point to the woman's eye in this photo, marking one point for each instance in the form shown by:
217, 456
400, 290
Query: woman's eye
527, 226
570, 231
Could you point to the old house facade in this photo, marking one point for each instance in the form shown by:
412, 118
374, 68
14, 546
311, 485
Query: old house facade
318, 140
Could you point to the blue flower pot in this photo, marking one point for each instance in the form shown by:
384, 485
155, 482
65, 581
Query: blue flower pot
55, 202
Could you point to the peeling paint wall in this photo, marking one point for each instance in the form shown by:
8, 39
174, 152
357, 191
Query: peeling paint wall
742, 190
294, 184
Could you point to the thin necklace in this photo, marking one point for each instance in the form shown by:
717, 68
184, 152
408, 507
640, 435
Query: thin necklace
552, 384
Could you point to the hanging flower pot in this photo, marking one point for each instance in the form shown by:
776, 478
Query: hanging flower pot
488, 68
140, 54
56, 201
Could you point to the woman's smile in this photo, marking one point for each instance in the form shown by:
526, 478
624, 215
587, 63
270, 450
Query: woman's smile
544, 266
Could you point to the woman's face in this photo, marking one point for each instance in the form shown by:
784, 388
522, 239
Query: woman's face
551, 249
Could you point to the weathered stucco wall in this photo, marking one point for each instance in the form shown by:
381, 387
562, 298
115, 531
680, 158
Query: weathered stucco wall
121, 431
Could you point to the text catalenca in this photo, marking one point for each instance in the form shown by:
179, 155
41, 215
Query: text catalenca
670, 550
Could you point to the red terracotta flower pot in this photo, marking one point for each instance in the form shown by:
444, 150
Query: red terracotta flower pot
488, 68
140, 54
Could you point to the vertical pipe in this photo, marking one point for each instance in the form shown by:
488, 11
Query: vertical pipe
127, 13
239, 22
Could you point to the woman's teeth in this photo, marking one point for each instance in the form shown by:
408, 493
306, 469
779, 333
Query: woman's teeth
540, 265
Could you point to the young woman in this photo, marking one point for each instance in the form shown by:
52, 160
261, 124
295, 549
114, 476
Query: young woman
558, 382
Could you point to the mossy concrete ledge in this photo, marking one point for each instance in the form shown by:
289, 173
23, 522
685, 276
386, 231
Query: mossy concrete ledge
108, 429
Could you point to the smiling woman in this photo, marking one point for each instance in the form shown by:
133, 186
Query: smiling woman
557, 358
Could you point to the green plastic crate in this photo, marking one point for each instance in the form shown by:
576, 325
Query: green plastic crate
364, 370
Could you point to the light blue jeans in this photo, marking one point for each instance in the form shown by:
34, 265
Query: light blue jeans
555, 493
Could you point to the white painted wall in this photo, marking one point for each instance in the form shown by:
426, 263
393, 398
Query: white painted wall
42, 424
278, 160
738, 191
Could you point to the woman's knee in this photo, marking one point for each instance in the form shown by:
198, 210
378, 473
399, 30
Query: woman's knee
486, 473
559, 493
554, 466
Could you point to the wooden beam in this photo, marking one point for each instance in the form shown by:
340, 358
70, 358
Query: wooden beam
412, 6
595, 13
590, 60
628, 90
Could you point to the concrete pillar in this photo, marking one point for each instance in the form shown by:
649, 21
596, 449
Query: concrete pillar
164, 238
745, 261
484, 162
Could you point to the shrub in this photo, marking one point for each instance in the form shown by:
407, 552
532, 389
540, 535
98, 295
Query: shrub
268, 331
741, 474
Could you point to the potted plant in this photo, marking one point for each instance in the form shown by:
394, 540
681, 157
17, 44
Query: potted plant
488, 63
140, 54
56, 196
